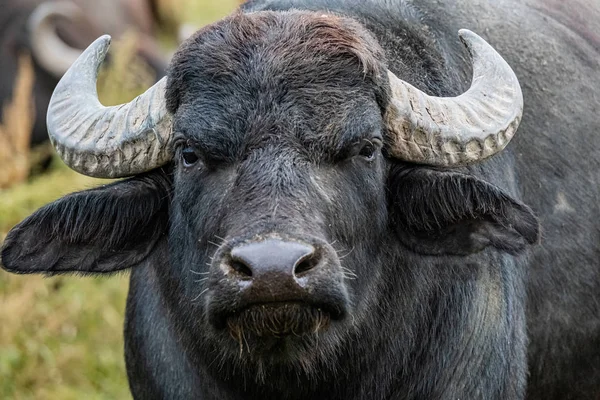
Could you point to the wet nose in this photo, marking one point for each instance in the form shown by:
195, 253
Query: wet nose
273, 257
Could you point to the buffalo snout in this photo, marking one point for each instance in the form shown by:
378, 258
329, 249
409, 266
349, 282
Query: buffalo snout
273, 287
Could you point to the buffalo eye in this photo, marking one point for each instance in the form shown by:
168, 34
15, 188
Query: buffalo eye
369, 150
189, 157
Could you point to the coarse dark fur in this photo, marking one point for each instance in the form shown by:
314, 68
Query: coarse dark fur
279, 131
15, 40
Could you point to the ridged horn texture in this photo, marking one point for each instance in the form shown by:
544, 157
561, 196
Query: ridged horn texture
107, 142
49, 50
457, 131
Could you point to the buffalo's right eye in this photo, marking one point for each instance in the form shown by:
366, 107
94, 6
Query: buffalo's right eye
189, 157
368, 151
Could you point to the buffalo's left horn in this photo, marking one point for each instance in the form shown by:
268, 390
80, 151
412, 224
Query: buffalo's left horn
107, 142
455, 131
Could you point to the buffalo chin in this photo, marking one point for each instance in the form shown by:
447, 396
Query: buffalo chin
275, 327
278, 320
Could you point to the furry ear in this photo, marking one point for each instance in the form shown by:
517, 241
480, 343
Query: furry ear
101, 230
441, 212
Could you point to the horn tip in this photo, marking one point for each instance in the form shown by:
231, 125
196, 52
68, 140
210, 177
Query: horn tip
467, 36
472, 41
104, 39
100, 47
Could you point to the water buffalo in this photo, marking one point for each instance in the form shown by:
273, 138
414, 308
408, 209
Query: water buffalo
320, 204
56, 32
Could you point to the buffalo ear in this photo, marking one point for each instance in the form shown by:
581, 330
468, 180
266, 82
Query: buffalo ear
441, 212
101, 230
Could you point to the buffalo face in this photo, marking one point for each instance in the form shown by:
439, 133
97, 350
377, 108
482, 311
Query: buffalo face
279, 179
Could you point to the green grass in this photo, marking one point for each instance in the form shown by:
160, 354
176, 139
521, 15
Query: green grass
61, 337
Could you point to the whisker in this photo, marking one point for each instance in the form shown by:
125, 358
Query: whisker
349, 272
201, 293
199, 273
240, 334
245, 341
347, 254
200, 280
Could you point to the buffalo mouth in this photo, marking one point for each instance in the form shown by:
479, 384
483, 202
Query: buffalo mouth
280, 320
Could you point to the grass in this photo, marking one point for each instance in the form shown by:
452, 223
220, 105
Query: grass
61, 337
15, 129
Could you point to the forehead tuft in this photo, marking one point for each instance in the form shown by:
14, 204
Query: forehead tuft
291, 45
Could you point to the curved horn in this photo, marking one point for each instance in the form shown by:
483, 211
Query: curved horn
107, 142
456, 131
49, 50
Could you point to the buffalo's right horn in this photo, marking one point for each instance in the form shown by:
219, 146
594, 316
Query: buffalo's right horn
49, 50
107, 142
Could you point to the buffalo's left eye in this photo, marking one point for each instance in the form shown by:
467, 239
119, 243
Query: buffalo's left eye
189, 157
368, 151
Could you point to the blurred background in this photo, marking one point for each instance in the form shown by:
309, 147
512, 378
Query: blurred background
61, 337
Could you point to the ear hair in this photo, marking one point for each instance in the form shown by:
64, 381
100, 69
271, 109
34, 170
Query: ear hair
105, 229
449, 212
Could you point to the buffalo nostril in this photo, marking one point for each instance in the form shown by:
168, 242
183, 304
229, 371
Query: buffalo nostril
305, 265
240, 268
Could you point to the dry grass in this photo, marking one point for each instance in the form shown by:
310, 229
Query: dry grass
15, 132
127, 76
61, 338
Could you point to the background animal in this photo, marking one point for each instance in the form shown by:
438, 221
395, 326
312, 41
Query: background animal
452, 296
55, 32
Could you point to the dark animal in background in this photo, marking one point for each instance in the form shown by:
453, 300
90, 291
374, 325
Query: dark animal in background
56, 32
310, 214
